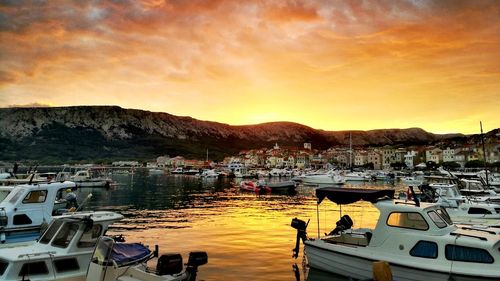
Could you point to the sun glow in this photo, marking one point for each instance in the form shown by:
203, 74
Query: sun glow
329, 66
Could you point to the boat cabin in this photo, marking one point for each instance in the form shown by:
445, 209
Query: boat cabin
27, 207
63, 251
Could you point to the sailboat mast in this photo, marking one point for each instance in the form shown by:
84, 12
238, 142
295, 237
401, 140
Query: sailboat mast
207, 155
484, 154
350, 150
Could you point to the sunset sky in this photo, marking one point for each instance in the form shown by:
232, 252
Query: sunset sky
333, 65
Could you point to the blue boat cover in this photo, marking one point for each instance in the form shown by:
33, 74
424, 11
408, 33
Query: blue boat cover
124, 253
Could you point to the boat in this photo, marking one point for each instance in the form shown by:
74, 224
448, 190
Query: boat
156, 171
462, 209
357, 176
16, 179
63, 252
27, 208
114, 261
281, 185
474, 188
178, 171
418, 240
330, 177
411, 180
191, 171
490, 179
258, 188
90, 178
209, 173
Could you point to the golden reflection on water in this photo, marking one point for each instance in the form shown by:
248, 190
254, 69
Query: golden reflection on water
247, 237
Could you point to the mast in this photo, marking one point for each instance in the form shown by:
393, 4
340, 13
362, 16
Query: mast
207, 155
484, 154
350, 150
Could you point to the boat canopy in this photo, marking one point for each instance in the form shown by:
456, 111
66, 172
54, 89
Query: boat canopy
349, 195
124, 253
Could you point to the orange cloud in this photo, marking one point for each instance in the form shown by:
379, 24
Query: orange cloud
342, 65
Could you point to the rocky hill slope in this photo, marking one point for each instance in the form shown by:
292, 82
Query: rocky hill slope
110, 132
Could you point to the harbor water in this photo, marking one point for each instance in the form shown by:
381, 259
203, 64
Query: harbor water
247, 237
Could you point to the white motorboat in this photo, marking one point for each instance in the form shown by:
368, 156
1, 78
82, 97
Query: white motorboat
16, 179
89, 178
209, 173
418, 240
411, 180
191, 171
113, 261
177, 171
156, 171
281, 185
475, 188
493, 180
62, 253
357, 176
462, 209
28, 207
330, 177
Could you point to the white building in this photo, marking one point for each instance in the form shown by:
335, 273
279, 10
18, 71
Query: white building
410, 158
448, 155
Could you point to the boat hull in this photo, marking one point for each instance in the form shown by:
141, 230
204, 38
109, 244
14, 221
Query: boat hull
322, 180
361, 268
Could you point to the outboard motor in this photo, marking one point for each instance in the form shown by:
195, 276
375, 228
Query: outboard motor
169, 264
301, 227
343, 224
195, 260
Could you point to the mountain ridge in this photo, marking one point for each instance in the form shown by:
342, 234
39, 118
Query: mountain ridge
112, 132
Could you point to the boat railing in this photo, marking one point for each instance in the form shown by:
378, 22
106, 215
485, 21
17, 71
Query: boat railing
478, 229
469, 235
49, 253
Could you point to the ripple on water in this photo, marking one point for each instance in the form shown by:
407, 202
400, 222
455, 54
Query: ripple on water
247, 237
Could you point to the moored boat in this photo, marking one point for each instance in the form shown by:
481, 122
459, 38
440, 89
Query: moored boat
330, 177
281, 185
63, 252
90, 178
114, 261
28, 207
258, 188
418, 240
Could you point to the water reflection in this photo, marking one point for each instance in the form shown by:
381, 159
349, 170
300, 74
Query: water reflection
247, 237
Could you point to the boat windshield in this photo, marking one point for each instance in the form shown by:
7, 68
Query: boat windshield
444, 214
51, 231
16, 196
65, 235
4, 193
102, 251
438, 221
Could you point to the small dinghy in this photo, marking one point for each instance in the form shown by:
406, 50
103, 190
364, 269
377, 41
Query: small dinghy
253, 187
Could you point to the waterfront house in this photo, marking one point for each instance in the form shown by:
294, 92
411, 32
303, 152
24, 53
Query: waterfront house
410, 157
449, 155
434, 155
360, 158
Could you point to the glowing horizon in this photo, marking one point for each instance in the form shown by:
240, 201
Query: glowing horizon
350, 65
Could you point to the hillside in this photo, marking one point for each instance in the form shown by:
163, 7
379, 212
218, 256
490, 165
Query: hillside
82, 133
